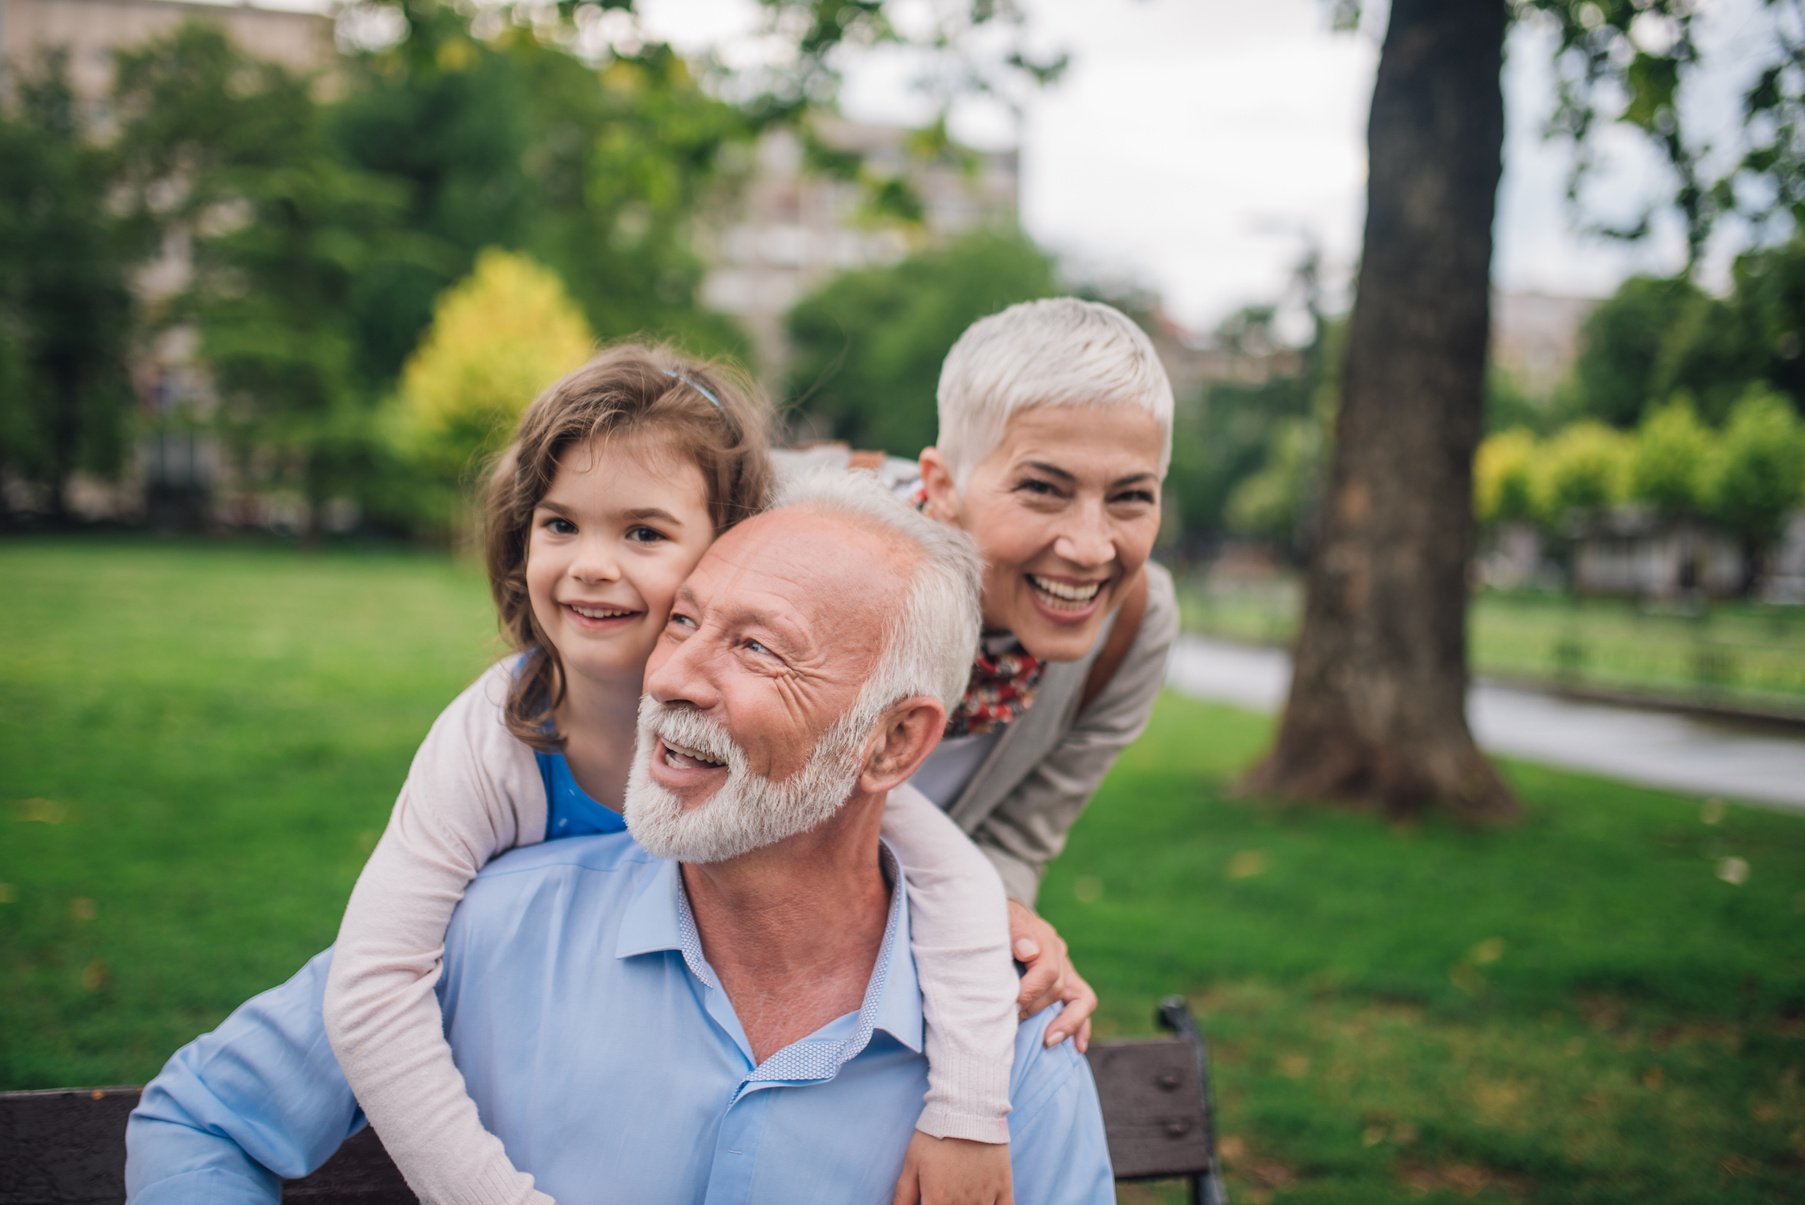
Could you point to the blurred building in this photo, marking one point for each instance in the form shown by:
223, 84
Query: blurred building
789, 228
1535, 337
91, 30
174, 467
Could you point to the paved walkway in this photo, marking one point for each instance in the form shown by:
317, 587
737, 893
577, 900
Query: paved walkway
1703, 757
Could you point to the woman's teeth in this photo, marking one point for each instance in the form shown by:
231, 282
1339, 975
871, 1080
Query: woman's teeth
1065, 596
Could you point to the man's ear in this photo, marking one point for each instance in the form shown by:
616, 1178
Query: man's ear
906, 735
937, 479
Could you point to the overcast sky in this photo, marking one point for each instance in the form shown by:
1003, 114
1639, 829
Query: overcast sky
1194, 145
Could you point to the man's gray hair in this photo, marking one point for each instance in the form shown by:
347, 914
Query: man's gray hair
932, 635
1057, 352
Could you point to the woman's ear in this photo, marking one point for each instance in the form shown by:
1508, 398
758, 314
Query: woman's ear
908, 733
937, 479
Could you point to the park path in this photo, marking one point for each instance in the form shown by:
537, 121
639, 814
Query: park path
1659, 749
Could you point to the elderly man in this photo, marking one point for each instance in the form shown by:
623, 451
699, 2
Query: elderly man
726, 1008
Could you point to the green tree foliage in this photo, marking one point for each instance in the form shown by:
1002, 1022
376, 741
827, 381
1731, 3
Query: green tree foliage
1631, 61
65, 312
1583, 469
232, 156
508, 139
868, 344
1504, 478
1655, 338
195, 113
1758, 474
1236, 428
497, 339
1275, 502
1672, 452
1721, 347
1621, 349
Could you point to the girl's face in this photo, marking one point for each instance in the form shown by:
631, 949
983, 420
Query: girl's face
1064, 511
624, 522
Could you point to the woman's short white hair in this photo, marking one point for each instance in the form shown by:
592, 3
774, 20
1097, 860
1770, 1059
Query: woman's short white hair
1061, 351
932, 636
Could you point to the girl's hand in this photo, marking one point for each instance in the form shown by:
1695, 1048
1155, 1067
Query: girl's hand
954, 1171
1050, 976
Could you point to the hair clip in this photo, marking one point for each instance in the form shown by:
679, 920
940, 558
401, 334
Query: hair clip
698, 386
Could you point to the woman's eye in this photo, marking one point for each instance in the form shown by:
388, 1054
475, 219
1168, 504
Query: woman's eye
1135, 498
1039, 488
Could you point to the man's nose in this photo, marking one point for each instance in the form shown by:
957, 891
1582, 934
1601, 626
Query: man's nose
680, 672
1086, 538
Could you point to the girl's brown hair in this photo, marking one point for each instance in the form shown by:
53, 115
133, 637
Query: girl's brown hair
709, 414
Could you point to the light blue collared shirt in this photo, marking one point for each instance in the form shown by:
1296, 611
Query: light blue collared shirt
599, 1046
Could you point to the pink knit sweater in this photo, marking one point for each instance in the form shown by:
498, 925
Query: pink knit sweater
473, 792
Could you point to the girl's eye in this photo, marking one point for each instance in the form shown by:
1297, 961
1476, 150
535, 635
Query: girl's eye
559, 526
641, 534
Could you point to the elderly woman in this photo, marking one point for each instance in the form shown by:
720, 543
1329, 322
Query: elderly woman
1055, 433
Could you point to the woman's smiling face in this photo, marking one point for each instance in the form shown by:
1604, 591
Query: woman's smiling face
1064, 511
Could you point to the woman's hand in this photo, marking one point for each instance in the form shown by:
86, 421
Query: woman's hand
1050, 976
954, 1171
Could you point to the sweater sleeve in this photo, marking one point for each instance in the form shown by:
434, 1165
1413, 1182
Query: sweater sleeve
960, 929
473, 792
1028, 827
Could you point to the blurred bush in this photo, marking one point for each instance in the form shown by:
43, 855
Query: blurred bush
497, 339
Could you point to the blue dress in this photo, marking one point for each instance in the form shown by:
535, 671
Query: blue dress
569, 811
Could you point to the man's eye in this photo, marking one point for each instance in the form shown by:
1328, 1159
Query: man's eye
679, 620
753, 646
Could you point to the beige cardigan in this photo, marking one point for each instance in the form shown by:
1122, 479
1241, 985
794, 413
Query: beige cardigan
1026, 793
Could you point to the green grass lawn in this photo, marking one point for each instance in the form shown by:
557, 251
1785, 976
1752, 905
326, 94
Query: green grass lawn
198, 745
1747, 653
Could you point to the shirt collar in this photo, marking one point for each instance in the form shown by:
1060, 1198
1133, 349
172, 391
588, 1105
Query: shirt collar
659, 918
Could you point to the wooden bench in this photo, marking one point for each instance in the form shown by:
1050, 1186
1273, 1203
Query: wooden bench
67, 1147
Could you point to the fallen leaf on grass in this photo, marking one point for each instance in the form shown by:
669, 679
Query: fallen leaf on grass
1734, 871
96, 975
1247, 864
82, 908
42, 811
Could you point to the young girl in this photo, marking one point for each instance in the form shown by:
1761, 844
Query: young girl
620, 476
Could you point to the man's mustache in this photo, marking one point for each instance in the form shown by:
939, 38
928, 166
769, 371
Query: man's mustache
690, 731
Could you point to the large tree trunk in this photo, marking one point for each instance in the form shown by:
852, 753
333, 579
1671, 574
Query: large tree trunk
1377, 710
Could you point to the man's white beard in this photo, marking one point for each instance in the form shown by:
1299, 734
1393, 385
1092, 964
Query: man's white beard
748, 811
